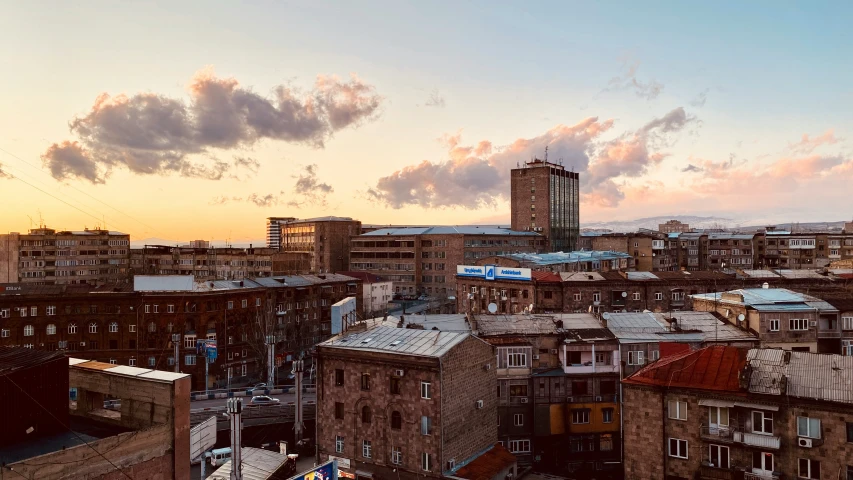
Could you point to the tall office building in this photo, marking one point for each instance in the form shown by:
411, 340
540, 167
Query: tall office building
545, 199
274, 230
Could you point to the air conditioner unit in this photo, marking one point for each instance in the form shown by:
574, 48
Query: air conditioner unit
82, 344
814, 323
804, 442
524, 400
503, 298
487, 367
535, 357
598, 399
479, 404
451, 464
570, 399
553, 351
398, 373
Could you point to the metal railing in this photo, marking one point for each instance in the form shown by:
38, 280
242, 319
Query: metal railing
274, 413
718, 433
247, 391
757, 440
761, 476
708, 472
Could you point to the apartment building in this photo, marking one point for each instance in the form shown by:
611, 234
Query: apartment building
405, 403
376, 293
692, 251
730, 251
46, 256
723, 413
545, 198
673, 226
274, 230
204, 263
650, 249
558, 378
848, 227
781, 318
424, 260
528, 291
325, 239
580, 261
133, 325
803, 251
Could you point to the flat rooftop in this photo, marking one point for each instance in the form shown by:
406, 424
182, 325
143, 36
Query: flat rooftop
81, 430
449, 230
403, 341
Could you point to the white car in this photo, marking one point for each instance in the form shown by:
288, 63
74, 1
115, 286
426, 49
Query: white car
264, 400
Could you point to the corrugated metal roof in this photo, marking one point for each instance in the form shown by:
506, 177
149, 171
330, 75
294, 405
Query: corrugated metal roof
641, 276
449, 230
711, 327
541, 324
760, 274
559, 258
581, 276
487, 465
406, 341
769, 299
815, 376
258, 464
800, 274
163, 283
731, 236
123, 370
446, 322
715, 368
19, 358
633, 320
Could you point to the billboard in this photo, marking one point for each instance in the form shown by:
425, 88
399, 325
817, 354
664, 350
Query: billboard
493, 272
326, 471
343, 315
202, 438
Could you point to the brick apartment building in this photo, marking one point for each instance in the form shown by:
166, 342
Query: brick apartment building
47, 256
545, 198
580, 261
325, 241
375, 295
424, 260
781, 318
123, 326
730, 251
558, 378
205, 263
418, 401
725, 413
673, 226
651, 250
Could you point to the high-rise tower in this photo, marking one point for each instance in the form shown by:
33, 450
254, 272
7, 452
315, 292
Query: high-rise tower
545, 199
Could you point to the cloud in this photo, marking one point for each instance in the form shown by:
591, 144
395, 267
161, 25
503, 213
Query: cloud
3, 174
691, 168
435, 100
248, 163
476, 176
310, 188
259, 200
700, 99
628, 81
151, 134
808, 144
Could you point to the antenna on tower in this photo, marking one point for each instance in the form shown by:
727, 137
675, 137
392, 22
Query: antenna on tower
546, 153
41, 220
31, 221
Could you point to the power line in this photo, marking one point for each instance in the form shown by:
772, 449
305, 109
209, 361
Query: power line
69, 429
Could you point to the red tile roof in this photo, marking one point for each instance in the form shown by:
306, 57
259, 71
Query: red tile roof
668, 349
712, 368
487, 465
546, 277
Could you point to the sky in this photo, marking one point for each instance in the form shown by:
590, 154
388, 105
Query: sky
197, 120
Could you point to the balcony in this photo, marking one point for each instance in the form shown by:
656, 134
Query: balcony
716, 433
828, 334
761, 476
612, 398
707, 472
599, 368
757, 440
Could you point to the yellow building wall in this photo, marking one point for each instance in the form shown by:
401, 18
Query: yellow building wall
595, 425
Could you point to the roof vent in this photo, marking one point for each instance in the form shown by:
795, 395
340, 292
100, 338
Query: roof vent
765, 285
366, 340
396, 342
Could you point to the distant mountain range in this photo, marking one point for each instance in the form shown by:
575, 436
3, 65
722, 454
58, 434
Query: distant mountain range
750, 225
262, 242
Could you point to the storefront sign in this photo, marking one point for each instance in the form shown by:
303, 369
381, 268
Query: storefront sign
493, 272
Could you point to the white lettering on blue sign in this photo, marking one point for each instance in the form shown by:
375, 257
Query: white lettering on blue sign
493, 272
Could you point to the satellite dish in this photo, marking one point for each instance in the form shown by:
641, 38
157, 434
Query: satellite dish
493, 308
530, 308
589, 309
624, 294
740, 317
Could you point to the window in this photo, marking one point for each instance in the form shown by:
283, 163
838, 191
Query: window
189, 360
798, 324
51, 329
131, 362
339, 377
518, 390
519, 446
809, 468
365, 414
366, 449
50, 310
170, 309
4, 333
396, 455
677, 448
426, 425
93, 328
658, 296
156, 308
847, 323
189, 342
72, 328
113, 361
396, 420
607, 415
516, 357
339, 444
762, 422
131, 328
171, 361
518, 419
152, 327
774, 325
718, 456
426, 461
426, 390
395, 385
849, 432
33, 311
28, 330
257, 302
605, 442
577, 297
230, 305
580, 416
365, 381
113, 327
596, 296
808, 427
636, 295
654, 355
339, 410
548, 295
152, 361
244, 303
636, 357
677, 410
718, 417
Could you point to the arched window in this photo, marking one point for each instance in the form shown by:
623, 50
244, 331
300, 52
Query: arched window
396, 420
93, 327
113, 327
365, 414
28, 330
152, 327
51, 329
72, 328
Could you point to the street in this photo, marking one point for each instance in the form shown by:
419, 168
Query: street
220, 402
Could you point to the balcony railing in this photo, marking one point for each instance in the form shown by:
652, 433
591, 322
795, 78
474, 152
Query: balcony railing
828, 334
757, 440
717, 433
761, 476
712, 473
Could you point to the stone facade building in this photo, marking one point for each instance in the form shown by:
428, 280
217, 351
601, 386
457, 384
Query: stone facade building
673, 226
134, 327
545, 198
326, 239
723, 413
418, 401
204, 263
424, 260
649, 248
45, 256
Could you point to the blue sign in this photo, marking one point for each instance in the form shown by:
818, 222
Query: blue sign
494, 272
327, 471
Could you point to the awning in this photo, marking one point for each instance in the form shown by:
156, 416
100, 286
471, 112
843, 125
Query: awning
711, 402
325, 286
759, 406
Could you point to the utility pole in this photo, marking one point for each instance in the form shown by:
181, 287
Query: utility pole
234, 407
270, 341
298, 367
176, 340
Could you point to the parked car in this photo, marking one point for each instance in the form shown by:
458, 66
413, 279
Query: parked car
264, 400
260, 386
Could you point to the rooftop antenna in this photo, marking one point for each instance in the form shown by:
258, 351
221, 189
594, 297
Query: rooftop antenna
41, 220
31, 221
546, 153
